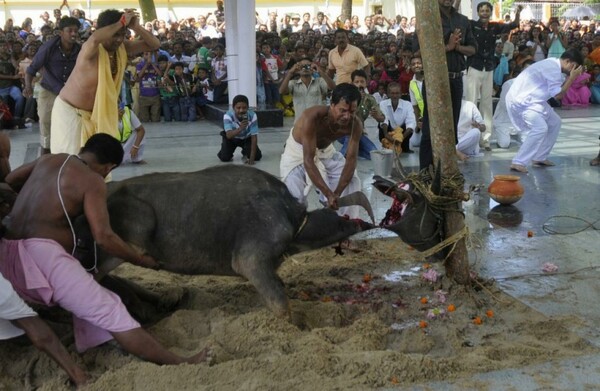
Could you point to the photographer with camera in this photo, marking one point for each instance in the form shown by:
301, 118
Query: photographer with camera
309, 89
240, 130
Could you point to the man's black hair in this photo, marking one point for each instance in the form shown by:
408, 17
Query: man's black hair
178, 64
68, 21
105, 147
346, 91
573, 55
359, 73
484, 4
162, 57
342, 31
240, 98
108, 17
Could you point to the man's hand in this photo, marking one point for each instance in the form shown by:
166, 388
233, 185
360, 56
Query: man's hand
379, 117
244, 124
332, 199
27, 92
134, 153
130, 17
576, 71
148, 262
454, 40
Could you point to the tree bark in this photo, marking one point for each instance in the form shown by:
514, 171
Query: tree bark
439, 106
148, 10
346, 10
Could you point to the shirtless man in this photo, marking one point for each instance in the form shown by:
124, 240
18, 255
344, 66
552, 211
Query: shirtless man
309, 157
36, 249
87, 104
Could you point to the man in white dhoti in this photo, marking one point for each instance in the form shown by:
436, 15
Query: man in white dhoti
529, 111
309, 157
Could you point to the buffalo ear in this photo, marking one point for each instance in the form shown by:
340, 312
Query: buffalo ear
436, 184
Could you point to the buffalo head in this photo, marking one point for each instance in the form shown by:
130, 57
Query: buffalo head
412, 216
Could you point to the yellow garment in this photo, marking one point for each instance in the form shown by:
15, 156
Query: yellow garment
398, 138
105, 114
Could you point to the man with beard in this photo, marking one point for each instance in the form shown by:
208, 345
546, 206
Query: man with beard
309, 157
88, 102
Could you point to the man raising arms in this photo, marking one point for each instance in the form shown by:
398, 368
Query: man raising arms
88, 102
309, 157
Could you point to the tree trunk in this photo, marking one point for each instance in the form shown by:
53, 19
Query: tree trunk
148, 10
439, 106
346, 10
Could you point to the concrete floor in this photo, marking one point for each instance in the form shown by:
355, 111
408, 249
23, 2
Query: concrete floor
570, 188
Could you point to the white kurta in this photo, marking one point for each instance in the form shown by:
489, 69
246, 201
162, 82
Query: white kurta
468, 135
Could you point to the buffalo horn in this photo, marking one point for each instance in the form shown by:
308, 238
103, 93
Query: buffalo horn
357, 198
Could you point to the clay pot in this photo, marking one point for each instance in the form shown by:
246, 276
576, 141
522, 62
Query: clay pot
506, 189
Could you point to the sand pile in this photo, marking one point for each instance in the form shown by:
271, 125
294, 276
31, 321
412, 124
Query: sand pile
358, 323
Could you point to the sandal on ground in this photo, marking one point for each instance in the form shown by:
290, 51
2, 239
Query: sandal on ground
519, 168
543, 163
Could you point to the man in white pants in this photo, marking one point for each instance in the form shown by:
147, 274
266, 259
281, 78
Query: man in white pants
529, 111
503, 128
481, 65
470, 126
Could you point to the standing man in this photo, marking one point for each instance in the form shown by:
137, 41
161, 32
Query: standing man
36, 250
481, 65
530, 112
88, 102
459, 42
55, 60
307, 90
309, 157
345, 59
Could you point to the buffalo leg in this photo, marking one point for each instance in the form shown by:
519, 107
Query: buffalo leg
263, 276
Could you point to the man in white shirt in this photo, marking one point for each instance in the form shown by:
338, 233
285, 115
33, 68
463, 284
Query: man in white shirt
529, 111
470, 126
398, 114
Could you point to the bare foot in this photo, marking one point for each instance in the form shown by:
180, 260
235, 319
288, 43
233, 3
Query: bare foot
461, 156
206, 355
596, 161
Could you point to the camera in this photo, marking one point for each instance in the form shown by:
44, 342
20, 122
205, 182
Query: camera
306, 67
243, 117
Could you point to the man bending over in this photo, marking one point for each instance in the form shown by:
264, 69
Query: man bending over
36, 250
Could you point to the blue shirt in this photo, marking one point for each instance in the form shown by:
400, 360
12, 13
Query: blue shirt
231, 122
56, 66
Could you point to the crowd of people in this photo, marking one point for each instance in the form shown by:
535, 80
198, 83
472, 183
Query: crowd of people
80, 78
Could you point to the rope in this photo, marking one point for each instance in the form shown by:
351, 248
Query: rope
546, 226
451, 241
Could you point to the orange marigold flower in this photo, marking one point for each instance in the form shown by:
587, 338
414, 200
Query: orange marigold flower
530, 234
427, 266
367, 278
489, 313
477, 320
423, 324
451, 308
424, 300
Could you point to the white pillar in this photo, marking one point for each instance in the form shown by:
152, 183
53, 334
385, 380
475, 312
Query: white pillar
241, 49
